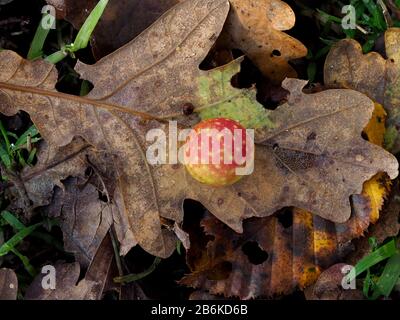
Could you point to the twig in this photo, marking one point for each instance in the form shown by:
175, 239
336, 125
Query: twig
386, 14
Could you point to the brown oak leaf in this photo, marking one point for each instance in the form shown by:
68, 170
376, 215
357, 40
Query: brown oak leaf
124, 19
379, 78
274, 255
313, 156
255, 27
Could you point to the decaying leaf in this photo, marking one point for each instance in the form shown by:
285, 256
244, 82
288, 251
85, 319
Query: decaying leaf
123, 19
101, 269
387, 226
8, 284
346, 66
108, 119
85, 219
311, 153
255, 27
376, 189
300, 247
314, 146
329, 286
273, 256
53, 166
66, 286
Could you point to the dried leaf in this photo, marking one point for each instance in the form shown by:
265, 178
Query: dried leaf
284, 252
141, 195
53, 166
101, 269
315, 148
346, 66
8, 284
329, 286
67, 288
123, 19
304, 149
378, 187
314, 245
375, 130
388, 226
255, 27
85, 219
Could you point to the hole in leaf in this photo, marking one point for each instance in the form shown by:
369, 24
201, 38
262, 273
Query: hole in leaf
103, 197
88, 171
276, 53
285, 217
254, 253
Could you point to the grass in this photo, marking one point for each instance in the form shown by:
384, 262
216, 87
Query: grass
379, 271
81, 40
17, 152
372, 20
381, 268
20, 232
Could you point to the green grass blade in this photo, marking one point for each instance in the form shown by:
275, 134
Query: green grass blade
25, 261
17, 238
389, 277
368, 284
22, 140
137, 276
380, 254
83, 36
85, 88
5, 157
12, 220
12, 134
36, 49
5, 137
21, 159
31, 156
179, 247
377, 19
56, 56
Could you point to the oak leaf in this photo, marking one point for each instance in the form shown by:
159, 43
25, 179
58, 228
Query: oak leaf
379, 78
256, 27
300, 248
142, 194
85, 219
313, 140
274, 255
124, 19
253, 26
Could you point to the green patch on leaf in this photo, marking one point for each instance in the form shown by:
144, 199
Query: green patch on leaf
219, 99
